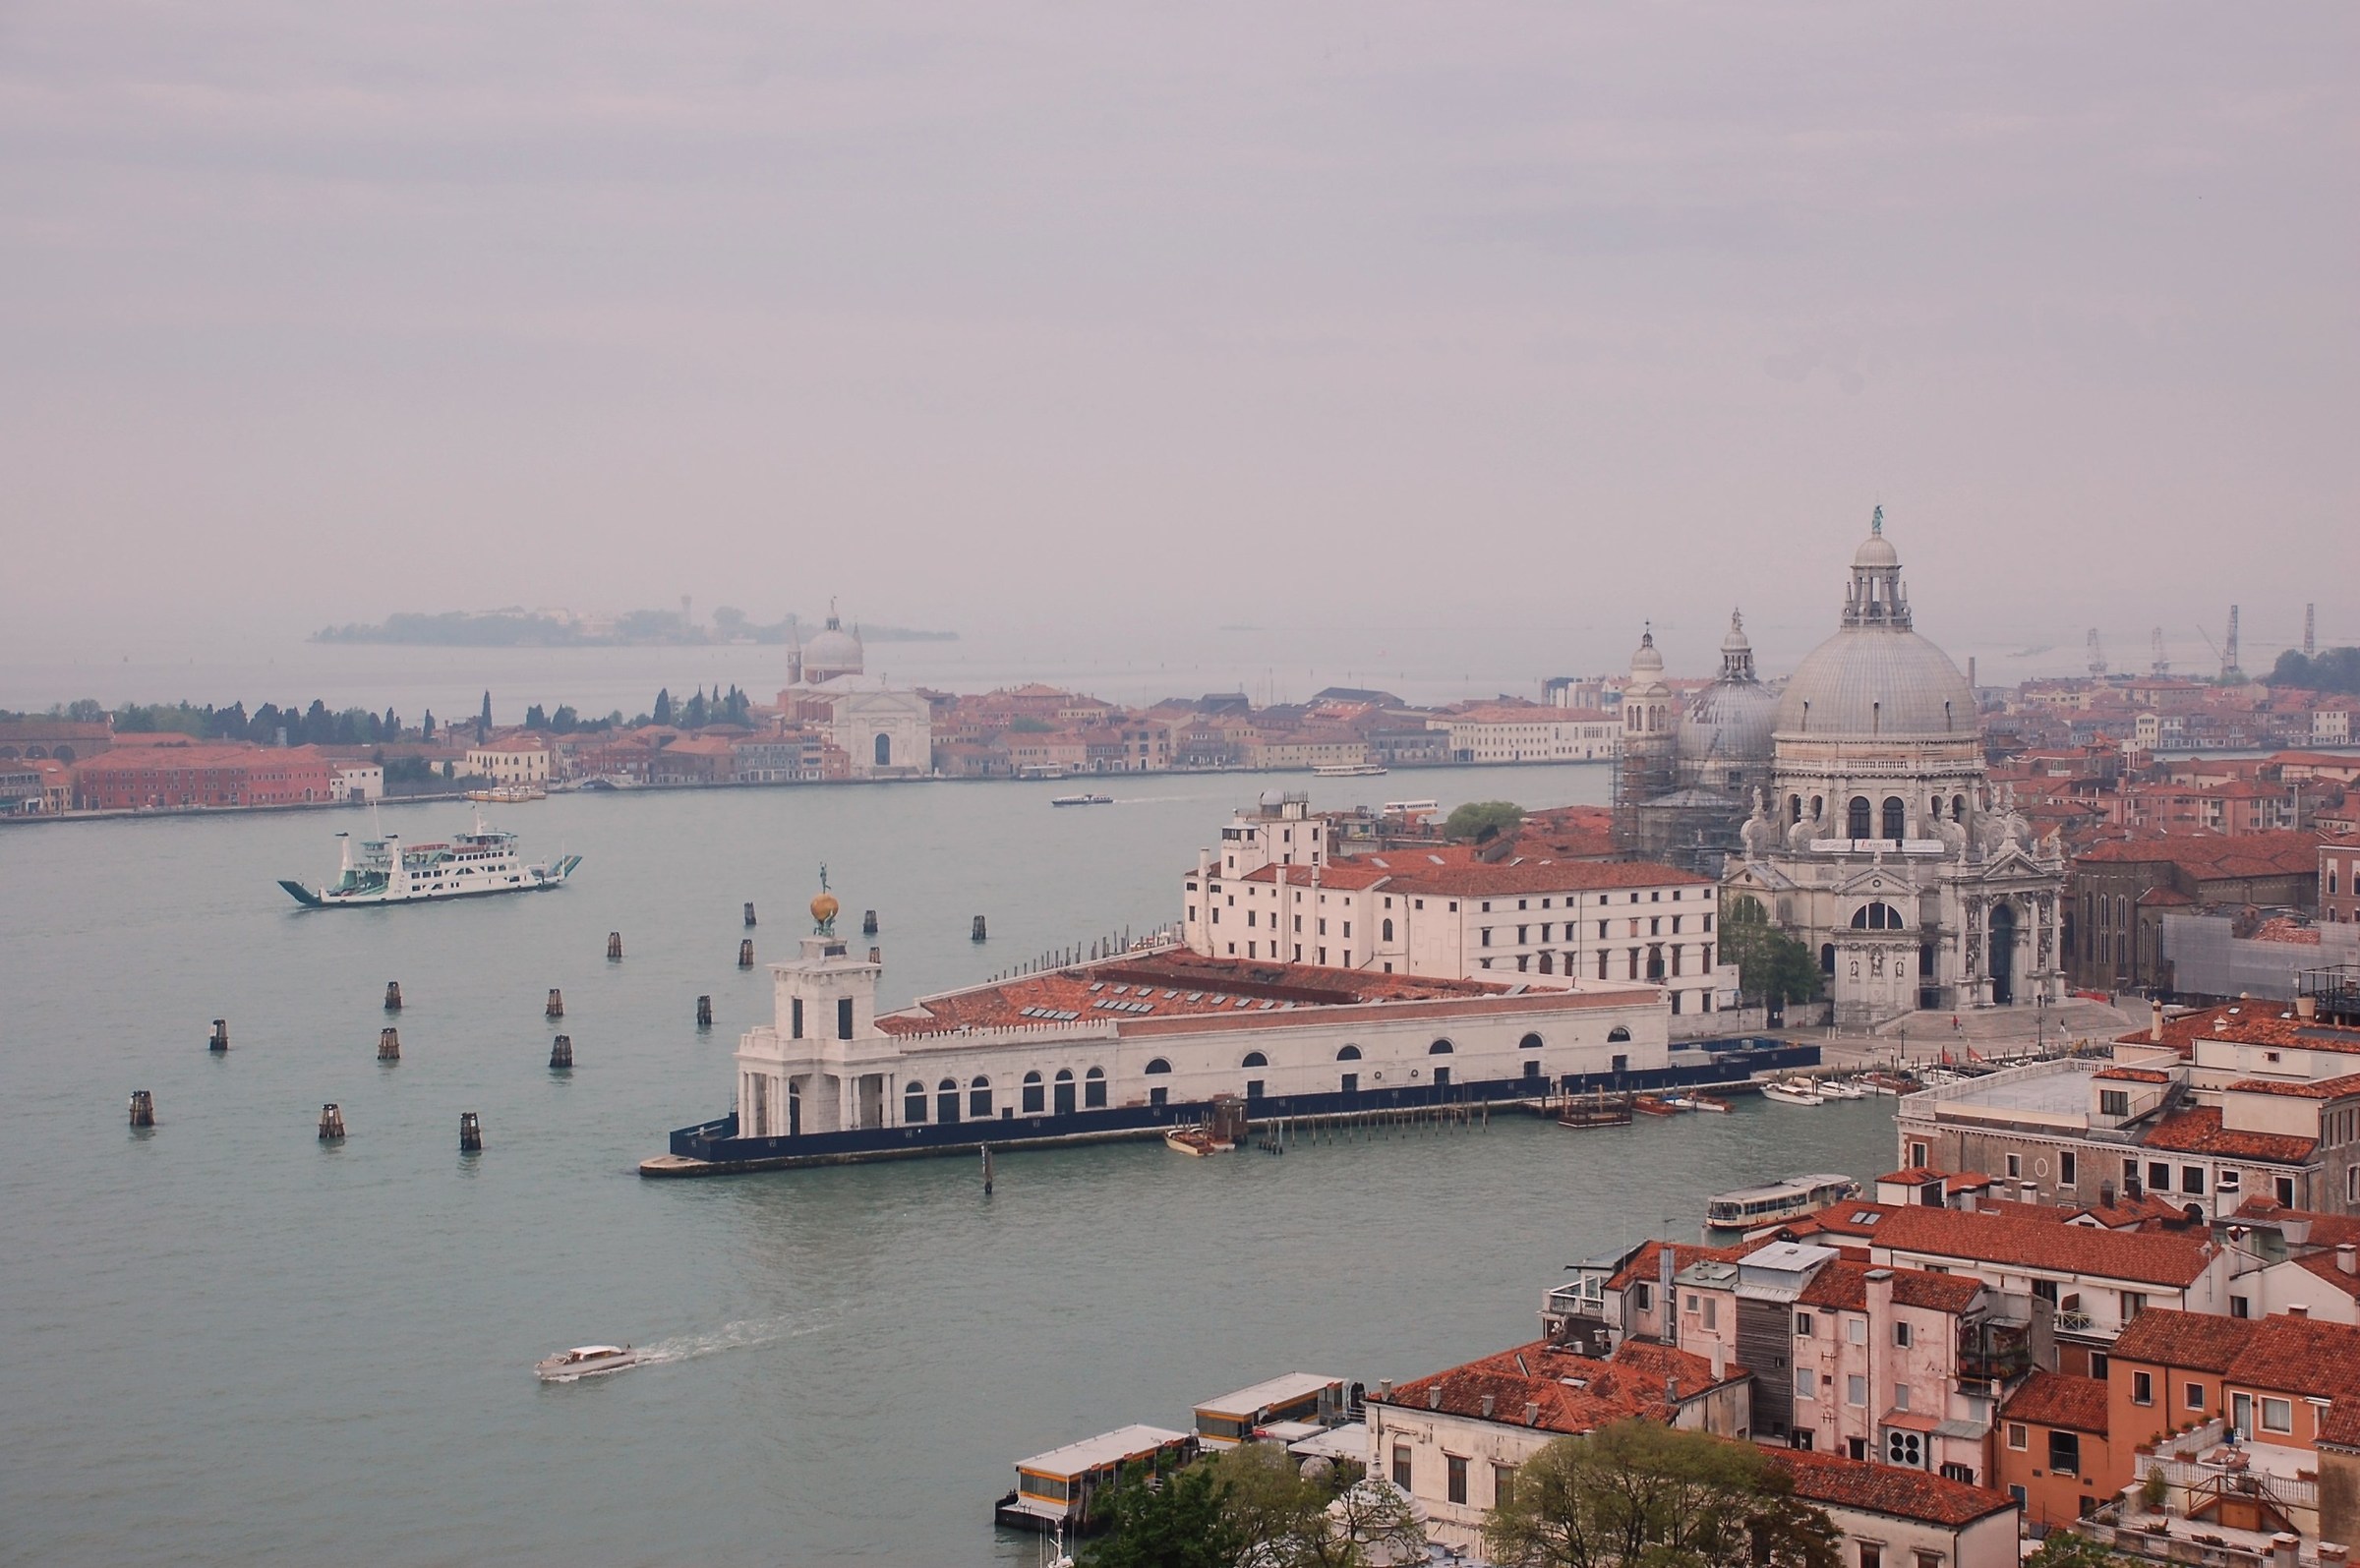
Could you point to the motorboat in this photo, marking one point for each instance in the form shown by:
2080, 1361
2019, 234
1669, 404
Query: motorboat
585, 1360
1794, 1092
1349, 770
1196, 1141
1840, 1089
1711, 1102
1081, 800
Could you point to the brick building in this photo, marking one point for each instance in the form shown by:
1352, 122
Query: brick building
2121, 890
179, 778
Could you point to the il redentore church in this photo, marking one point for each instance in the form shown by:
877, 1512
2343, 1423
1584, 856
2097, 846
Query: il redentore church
1876, 836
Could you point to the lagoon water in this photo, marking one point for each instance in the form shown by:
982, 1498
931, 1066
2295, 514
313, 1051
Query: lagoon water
227, 1343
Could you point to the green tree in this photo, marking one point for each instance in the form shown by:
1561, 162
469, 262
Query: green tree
1285, 1519
1638, 1494
2065, 1549
1026, 725
1469, 820
2335, 670
1176, 1525
534, 718
663, 715
1771, 963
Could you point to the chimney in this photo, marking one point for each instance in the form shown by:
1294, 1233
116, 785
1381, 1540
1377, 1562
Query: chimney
2155, 1021
2283, 1547
1670, 1389
1881, 1306
1487, 1407
2333, 1554
2306, 1006
1532, 1412
1384, 1390
1665, 1299
1719, 1361
2105, 1195
1965, 1204
2348, 1258
1434, 1397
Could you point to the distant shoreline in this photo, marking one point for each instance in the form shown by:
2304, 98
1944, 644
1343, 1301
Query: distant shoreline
510, 628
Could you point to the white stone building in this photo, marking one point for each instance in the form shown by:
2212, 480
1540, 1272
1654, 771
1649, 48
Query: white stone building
885, 732
511, 760
1880, 841
1273, 891
1516, 732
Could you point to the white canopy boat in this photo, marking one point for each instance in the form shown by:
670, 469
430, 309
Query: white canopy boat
585, 1360
1795, 1092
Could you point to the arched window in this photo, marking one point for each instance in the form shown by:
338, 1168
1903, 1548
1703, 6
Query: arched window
1094, 1088
1856, 823
1255, 1058
978, 1098
1159, 1065
1958, 808
1547, 963
1440, 1048
1794, 809
1896, 818
946, 1100
1827, 957
884, 751
63, 754
1618, 1035
1065, 1075
1530, 1042
1063, 1101
914, 1103
1037, 1099
1350, 1053
1818, 807
1388, 931
1876, 918
1655, 964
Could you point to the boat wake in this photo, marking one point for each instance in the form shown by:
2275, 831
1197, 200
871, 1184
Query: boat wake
749, 1334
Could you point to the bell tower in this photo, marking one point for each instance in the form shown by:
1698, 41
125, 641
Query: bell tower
822, 1066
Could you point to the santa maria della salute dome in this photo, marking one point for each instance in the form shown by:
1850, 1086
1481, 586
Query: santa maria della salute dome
1853, 805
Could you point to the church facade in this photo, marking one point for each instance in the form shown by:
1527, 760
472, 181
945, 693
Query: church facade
1875, 836
884, 731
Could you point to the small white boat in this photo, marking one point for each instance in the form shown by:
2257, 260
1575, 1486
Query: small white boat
585, 1360
1795, 1092
1840, 1089
1348, 770
1081, 800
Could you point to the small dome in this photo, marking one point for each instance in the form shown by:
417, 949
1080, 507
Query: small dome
823, 908
1876, 552
1730, 722
1736, 642
834, 651
1646, 661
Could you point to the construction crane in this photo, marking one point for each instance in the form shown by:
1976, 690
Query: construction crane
2310, 631
2231, 674
2098, 654
2162, 664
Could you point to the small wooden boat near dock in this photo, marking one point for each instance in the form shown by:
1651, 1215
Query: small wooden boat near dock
1659, 1105
1711, 1102
1227, 1129
1595, 1109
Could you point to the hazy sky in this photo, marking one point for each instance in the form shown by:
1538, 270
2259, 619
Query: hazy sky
1126, 319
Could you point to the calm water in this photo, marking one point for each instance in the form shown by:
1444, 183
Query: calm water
227, 1343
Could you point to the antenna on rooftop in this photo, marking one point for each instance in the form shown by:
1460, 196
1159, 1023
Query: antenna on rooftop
2232, 674
2098, 654
2162, 662
2310, 631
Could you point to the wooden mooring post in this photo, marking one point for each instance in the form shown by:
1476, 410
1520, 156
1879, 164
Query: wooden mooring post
392, 996
143, 1108
746, 953
561, 1054
704, 1011
988, 1170
975, 932
750, 915
218, 1041
471, 1133
388, 1045
331, 1123
868, 922
556, 1004
613, 947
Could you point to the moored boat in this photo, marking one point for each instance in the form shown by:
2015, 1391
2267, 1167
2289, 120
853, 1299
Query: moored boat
471, 865
1710, 1102
1658, 1105
508, 794
585, 1360
1794, 1092
1595, 1109
1840, 1089
1348, 770
1791, 1199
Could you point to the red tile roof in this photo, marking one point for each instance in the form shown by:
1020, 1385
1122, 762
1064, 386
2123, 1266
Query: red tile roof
2322, 1089
1574, 1393
1889, 1490
1173, 984
1843, 1286
2152, 1257
2198, 1341
2303, 1355
2132, 1075
2198, 1131
2052, 1399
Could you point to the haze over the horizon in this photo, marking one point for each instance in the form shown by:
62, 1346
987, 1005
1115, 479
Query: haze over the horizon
1067, 324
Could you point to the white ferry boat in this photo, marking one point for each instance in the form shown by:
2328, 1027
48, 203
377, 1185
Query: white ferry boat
1790, 1199
472, 865
1348, 770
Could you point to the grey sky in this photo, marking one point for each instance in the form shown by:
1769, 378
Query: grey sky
1134, 320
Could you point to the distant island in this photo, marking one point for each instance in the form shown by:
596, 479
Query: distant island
517, 627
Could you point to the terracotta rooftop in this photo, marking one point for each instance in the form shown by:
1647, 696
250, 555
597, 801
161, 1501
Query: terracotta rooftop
1177, 983
1574, 1393
2320, 1089
1841, 1286
2132, 1075
2198, 1131
2152, 1256
1890, 1489
1646, 1265
2052, 1399
2305, 1355
2198, 1341
2212, 856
